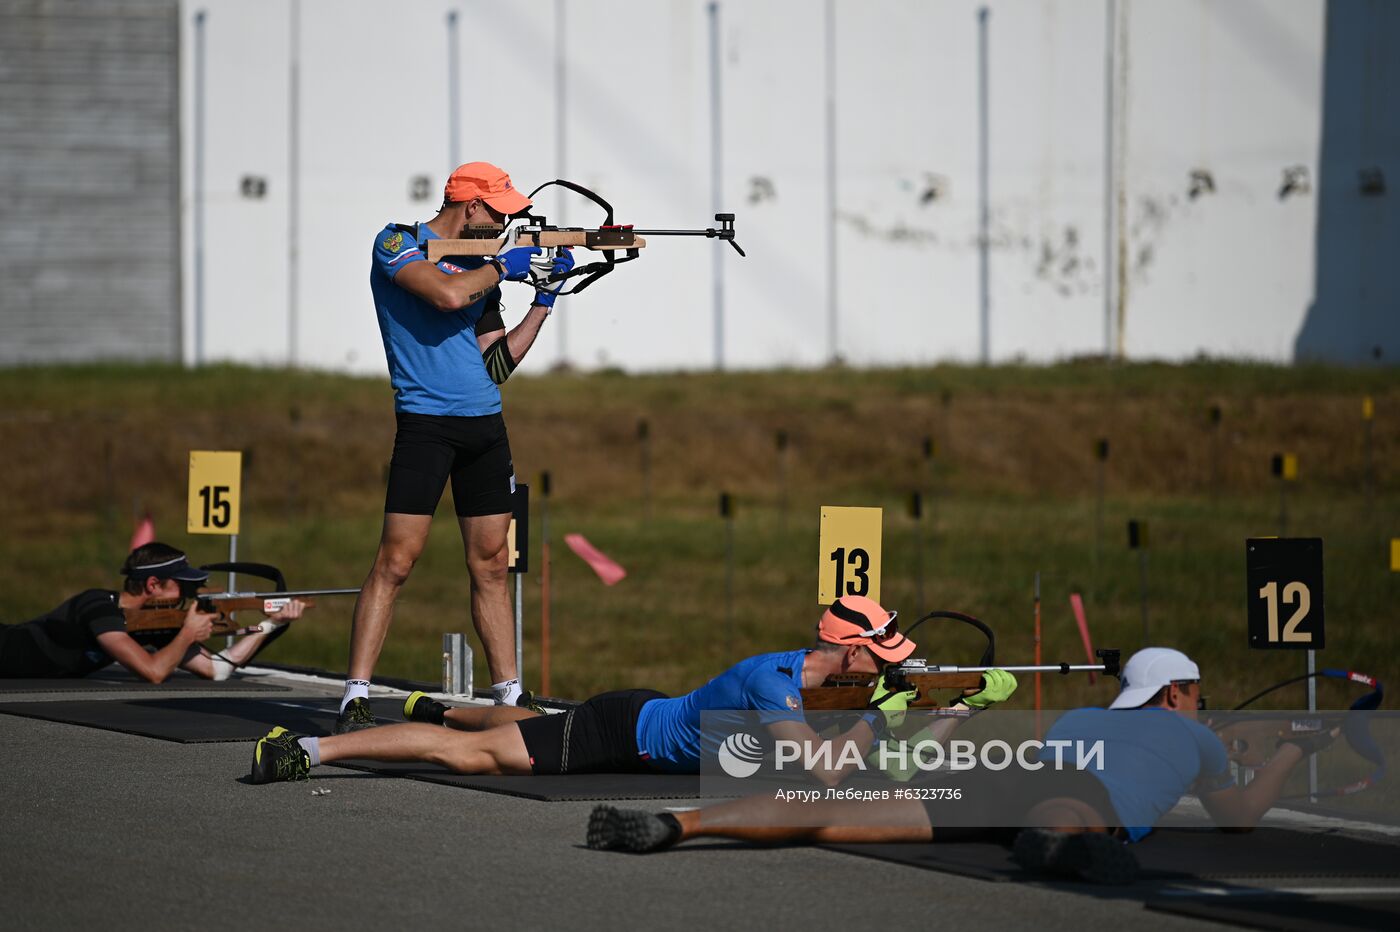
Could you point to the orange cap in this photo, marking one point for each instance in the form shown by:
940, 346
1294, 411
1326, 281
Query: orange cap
855, 619
486, 181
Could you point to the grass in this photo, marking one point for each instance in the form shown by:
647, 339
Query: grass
1010, 492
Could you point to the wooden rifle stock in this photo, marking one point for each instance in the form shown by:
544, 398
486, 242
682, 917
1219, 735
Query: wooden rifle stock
171, 616
854, 691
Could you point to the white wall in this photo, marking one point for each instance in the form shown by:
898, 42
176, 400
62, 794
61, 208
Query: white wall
1229, 87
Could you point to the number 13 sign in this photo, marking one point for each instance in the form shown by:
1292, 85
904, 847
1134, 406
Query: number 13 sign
1284, 587
849, 558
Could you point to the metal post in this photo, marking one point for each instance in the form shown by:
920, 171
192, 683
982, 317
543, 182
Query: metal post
1312, 707
199, 187
456, 665
232, 578
983, 206
1110, 43
561, 87
453, 89
717, 179
293, 181
831, 280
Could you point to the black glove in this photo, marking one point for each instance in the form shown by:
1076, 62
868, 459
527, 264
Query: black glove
1310, 742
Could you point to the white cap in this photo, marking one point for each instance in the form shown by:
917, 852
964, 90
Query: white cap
1148, 671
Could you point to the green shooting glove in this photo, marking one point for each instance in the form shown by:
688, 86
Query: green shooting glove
999, 687
893, 704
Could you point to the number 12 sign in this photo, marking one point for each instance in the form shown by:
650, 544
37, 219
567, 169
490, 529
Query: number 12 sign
849, 558
1284, 586
216, 480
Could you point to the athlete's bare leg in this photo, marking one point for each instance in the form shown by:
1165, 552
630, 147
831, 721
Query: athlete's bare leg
400, 545
481, 717
753, 819
499, 750
484, 539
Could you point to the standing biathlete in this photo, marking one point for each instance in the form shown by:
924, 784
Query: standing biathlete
448, 351
636, 730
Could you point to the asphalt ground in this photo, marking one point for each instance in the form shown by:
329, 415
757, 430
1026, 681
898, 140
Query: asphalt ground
101, 827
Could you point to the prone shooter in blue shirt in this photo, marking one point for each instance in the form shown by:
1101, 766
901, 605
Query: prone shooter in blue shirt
633, 730
1074, 823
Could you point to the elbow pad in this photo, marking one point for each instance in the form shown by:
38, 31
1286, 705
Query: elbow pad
499, 364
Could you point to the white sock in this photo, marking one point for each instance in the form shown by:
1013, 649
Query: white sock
354, 689
507, 692
312, 747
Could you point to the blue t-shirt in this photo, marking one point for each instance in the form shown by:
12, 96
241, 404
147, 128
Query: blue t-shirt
434, 362
1152, 757
668, 730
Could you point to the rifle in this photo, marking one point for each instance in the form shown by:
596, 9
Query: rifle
166, 616
609, 239
1252, 739
855, 690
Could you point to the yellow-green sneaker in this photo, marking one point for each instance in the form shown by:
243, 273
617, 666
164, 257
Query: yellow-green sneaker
278, 757
420, 707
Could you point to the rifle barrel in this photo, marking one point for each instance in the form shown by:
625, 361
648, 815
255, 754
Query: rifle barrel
293, 594
1043, 668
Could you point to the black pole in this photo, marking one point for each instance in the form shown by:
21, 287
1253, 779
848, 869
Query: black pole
644, 442
781, 441
916, 511
726, 511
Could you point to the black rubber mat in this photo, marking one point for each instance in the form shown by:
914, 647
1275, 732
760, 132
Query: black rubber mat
200, 720
208, 720
548, 788
180, 683
1291, 913
1179, 854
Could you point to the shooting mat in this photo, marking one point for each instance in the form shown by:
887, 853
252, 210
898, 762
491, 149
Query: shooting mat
1178, 854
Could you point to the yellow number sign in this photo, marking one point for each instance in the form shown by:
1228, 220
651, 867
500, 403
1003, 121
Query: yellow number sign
849, 558
1395, 554
216, 480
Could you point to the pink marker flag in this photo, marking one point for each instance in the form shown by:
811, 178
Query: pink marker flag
144, 533
608, 569
1076, 602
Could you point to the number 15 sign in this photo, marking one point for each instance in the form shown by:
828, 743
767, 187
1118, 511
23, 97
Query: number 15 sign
216, 480
1284, 587
849, 558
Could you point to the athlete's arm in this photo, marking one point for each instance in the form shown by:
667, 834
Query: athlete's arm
156, 667
447, 292
1239, 807
199, 663
843, 765
502, 351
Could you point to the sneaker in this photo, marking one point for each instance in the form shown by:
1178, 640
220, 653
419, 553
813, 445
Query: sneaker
420, 707
277, 758
1090, 856
357, 715
611, 829
527, 700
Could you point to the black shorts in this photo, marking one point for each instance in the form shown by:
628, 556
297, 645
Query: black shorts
474, 451
599, 736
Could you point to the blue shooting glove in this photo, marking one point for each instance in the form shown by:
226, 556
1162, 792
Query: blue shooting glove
546, 292
515, 263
